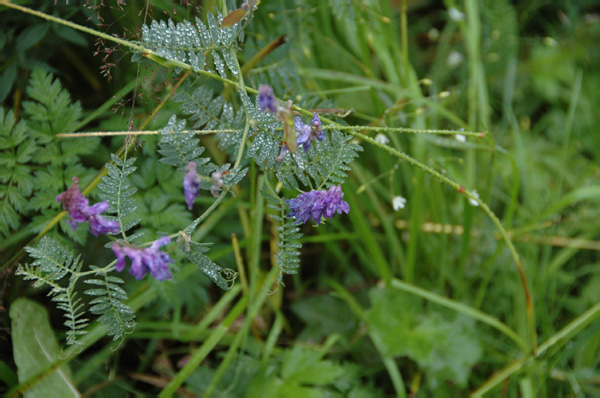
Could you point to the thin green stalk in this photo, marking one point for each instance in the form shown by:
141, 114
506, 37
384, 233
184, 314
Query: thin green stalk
218, 333
369, 240
478, 134
404, 38
390, 364
461, 308
272, 338
215, 336
567, 332
229, 357
105, 106
215, 311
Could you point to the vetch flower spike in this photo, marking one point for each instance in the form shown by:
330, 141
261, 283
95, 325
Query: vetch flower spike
191, 184
150, 259
79, 210
318, 204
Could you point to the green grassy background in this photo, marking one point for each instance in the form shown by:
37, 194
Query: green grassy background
386, 303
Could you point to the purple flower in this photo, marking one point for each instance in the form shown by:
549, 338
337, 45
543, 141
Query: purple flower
303, 132
79, 211
266, 98
306, 133
191, 184
318, 204
150, 259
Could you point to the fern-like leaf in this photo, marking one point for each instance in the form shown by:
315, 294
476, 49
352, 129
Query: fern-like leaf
74, 311
117, 191
287, 258
16, 180
109, 303
188, 43
222, 277
52, 262
179, 148
325, 164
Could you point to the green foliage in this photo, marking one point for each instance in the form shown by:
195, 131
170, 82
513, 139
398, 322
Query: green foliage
287, 258
17, 184
52, 264
446, 350
187, 43
208, 111
536, 168
108, 302
323, 316
179, 148
35, 348
117, 191
222, 277
301, 372
39, 166
325, 164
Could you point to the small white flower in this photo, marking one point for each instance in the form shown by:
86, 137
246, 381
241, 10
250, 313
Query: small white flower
382, 139
460, 138
398, 203
456, 15
472, 201
454, 59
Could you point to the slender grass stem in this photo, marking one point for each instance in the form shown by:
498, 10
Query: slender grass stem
568, 331
461, 308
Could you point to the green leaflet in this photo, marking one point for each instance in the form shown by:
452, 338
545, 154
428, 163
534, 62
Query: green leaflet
117, 191
188, 43
287, 258
34, 348
56, 267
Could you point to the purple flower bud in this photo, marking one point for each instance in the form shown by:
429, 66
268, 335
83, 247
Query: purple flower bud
316, 121
318, 204
79, 211
266, 98
191, 184
150, 259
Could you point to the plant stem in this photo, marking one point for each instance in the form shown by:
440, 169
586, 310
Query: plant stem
568, 331
460, 308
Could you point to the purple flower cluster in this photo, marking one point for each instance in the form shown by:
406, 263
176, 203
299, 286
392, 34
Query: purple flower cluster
318, 204
79, 211
191, 184
150, 259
